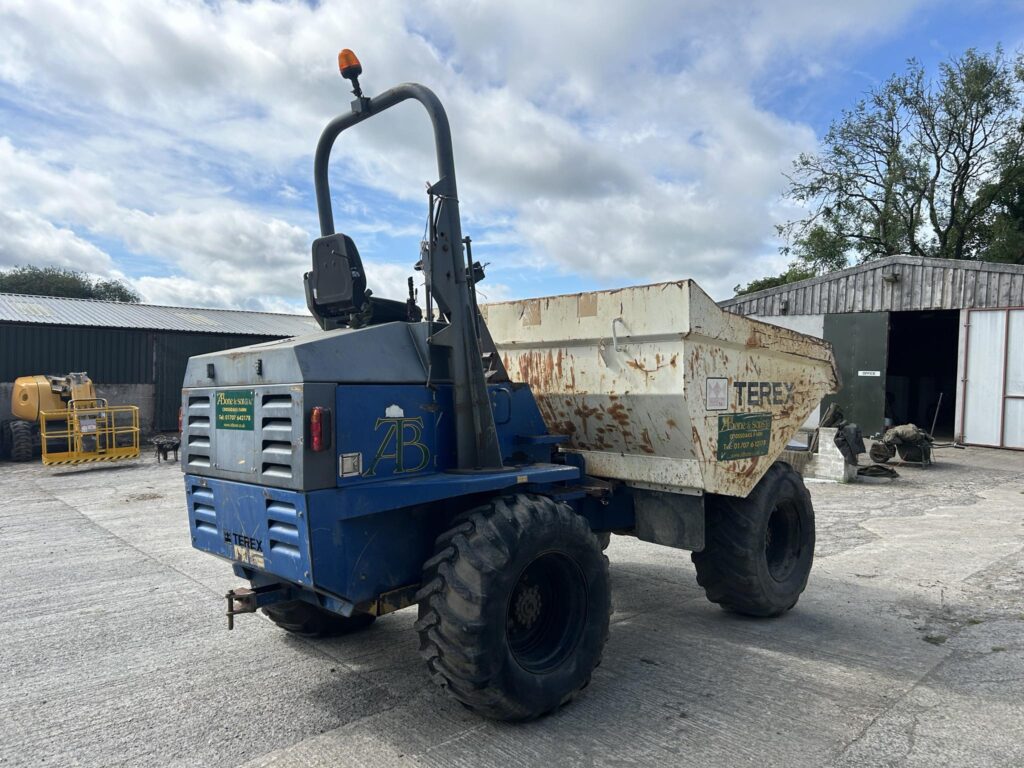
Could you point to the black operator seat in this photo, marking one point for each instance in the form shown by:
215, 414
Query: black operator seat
336, 289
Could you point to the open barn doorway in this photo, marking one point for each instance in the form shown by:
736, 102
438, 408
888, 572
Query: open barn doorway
921, 370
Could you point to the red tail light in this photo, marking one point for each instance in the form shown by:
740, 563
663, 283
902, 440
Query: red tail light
318, 425
180, 416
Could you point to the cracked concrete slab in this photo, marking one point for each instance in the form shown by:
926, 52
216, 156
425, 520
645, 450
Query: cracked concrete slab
907, 648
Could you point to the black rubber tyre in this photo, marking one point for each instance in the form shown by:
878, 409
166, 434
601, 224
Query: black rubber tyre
880, 453
604, 539
5, 440
22, 441
758, 550
514, 607
307, 620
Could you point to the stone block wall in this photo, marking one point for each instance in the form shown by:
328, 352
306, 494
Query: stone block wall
826, 464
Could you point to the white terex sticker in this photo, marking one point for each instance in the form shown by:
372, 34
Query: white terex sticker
717, 394
869, 373
394, 412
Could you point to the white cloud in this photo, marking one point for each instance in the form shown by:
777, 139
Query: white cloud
227, 254
24, 236
616, 141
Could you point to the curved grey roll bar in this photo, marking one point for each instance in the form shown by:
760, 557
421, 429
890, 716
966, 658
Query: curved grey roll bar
365, 108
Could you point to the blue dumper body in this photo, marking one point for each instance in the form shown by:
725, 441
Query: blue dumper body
349, 527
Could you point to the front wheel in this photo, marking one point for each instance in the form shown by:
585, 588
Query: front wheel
758, 550
514, 607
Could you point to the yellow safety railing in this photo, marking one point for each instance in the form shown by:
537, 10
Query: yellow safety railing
89, 430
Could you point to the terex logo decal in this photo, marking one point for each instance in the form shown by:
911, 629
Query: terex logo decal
761, 393
245, 549
241, 540
403, 440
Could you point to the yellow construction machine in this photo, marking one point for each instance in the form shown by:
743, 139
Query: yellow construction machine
62, 418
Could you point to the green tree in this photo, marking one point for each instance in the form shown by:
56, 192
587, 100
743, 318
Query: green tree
1005, 234
819, 251
68, 283
794, 274
920, 166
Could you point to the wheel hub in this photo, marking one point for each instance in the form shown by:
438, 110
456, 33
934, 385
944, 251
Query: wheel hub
546, 612
528, 606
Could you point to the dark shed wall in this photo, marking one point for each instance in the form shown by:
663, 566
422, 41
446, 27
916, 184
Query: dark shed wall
113, 356
172, 353
110, 355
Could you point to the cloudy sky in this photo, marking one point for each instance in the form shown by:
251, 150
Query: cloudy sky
598, 144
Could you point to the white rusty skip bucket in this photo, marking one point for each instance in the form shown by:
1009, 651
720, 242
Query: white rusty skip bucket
657, 386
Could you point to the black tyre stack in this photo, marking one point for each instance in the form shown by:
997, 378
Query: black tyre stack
22, 440
5, 440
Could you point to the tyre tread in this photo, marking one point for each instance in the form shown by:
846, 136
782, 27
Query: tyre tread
455, 647
727, 568
22, 443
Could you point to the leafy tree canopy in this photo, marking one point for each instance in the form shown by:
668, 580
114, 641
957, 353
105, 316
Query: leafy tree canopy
794, 274
68, 283
921, 166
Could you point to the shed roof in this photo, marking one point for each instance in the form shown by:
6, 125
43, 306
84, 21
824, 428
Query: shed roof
891, 284
52, 310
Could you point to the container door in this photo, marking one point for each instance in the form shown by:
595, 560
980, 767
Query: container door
986, 367
1013, 420
860, 341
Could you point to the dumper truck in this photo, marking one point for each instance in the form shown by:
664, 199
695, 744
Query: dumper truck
473, 461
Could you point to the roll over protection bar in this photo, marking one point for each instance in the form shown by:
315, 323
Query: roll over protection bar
444, 268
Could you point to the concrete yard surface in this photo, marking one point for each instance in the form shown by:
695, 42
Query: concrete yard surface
906, 650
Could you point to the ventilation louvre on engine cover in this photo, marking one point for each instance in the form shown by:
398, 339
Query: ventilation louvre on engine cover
196, 428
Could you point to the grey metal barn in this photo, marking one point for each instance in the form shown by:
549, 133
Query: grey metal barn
915, 337
135, 353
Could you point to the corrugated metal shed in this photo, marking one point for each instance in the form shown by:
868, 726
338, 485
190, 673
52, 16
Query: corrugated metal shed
50, 310
111, 356
892, 284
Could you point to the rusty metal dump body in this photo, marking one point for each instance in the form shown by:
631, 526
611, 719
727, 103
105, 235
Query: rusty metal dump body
657, 386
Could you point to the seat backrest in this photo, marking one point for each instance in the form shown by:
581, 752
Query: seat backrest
336, 287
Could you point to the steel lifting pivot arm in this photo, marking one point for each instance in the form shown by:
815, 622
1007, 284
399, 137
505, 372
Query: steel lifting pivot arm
444, 267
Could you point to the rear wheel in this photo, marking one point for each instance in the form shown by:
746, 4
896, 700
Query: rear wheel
759, 550
514, 608
307, 620
22, 441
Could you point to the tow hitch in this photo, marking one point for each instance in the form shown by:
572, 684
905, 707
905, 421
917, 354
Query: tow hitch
247, 600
